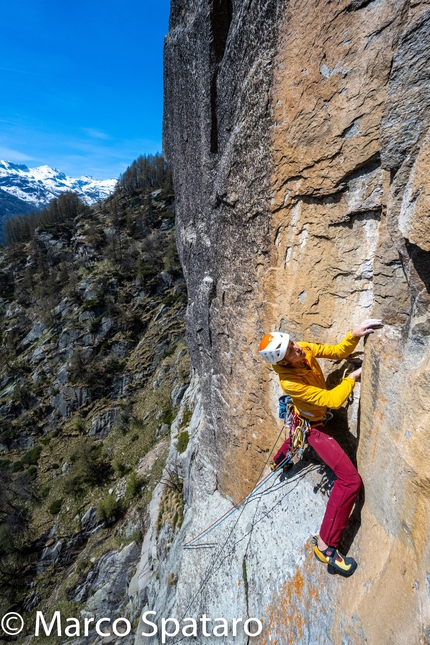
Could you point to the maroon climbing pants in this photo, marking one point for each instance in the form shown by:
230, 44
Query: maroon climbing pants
345, 489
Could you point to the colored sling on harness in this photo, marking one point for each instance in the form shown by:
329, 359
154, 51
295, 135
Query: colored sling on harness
298, 430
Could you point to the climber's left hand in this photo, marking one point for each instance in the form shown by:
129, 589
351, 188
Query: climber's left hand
367, 327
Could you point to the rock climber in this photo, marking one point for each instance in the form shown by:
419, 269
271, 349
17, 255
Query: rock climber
302, 379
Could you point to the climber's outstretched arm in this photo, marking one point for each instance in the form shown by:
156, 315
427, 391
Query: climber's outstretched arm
346, 347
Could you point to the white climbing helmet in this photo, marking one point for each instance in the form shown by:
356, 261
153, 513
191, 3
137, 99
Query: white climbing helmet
273, 346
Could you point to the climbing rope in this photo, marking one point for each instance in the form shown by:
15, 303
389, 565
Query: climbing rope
211, 568
227, 514
218, 561
298, 429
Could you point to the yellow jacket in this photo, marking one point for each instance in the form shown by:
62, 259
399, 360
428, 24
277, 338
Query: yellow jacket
306, 383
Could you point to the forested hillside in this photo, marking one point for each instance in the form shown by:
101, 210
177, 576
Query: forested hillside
93, 366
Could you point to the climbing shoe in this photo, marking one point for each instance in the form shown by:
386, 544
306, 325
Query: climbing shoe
337, 563
284, 460
281, 467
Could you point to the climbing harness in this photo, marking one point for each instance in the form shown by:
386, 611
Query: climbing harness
298, 430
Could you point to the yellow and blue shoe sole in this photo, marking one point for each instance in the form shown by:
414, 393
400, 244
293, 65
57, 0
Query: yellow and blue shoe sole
342, 568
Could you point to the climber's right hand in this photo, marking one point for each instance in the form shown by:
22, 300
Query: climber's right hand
356, 374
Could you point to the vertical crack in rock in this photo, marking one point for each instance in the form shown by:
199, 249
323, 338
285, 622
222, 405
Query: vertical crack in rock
421, 262
361, 4
220, 16
406, 114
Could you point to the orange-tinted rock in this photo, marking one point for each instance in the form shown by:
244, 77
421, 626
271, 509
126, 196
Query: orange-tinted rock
300, 151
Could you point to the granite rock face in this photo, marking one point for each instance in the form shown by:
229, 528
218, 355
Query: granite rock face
299, 138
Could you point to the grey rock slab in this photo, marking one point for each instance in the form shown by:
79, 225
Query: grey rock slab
210, 576
33, 334
49, 555
41, 352
91, 293
62, 377
161, 311
178, 392
89, 521
70, 399
86, 339
120, 349
106, 325
8, 380
35, 376
167, 278
12, 310
22, 442
86, 351
85, 316
140, 297
63, 309
101, 424
108, 581
129, 529
85, 284
162, 430
7, 410
43, 236
68, 337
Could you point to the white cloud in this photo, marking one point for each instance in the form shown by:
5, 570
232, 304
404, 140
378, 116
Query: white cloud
24, 71
95, 134
8, 154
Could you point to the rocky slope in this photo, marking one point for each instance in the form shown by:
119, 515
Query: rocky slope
93, 367
298, 136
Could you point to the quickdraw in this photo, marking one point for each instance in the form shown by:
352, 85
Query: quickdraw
298, 428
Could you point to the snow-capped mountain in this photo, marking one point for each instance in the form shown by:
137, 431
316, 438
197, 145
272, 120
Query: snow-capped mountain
37, 186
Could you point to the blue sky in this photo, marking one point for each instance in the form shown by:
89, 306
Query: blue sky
81, 83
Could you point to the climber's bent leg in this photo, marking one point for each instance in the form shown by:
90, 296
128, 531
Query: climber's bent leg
345, 489
282, 452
